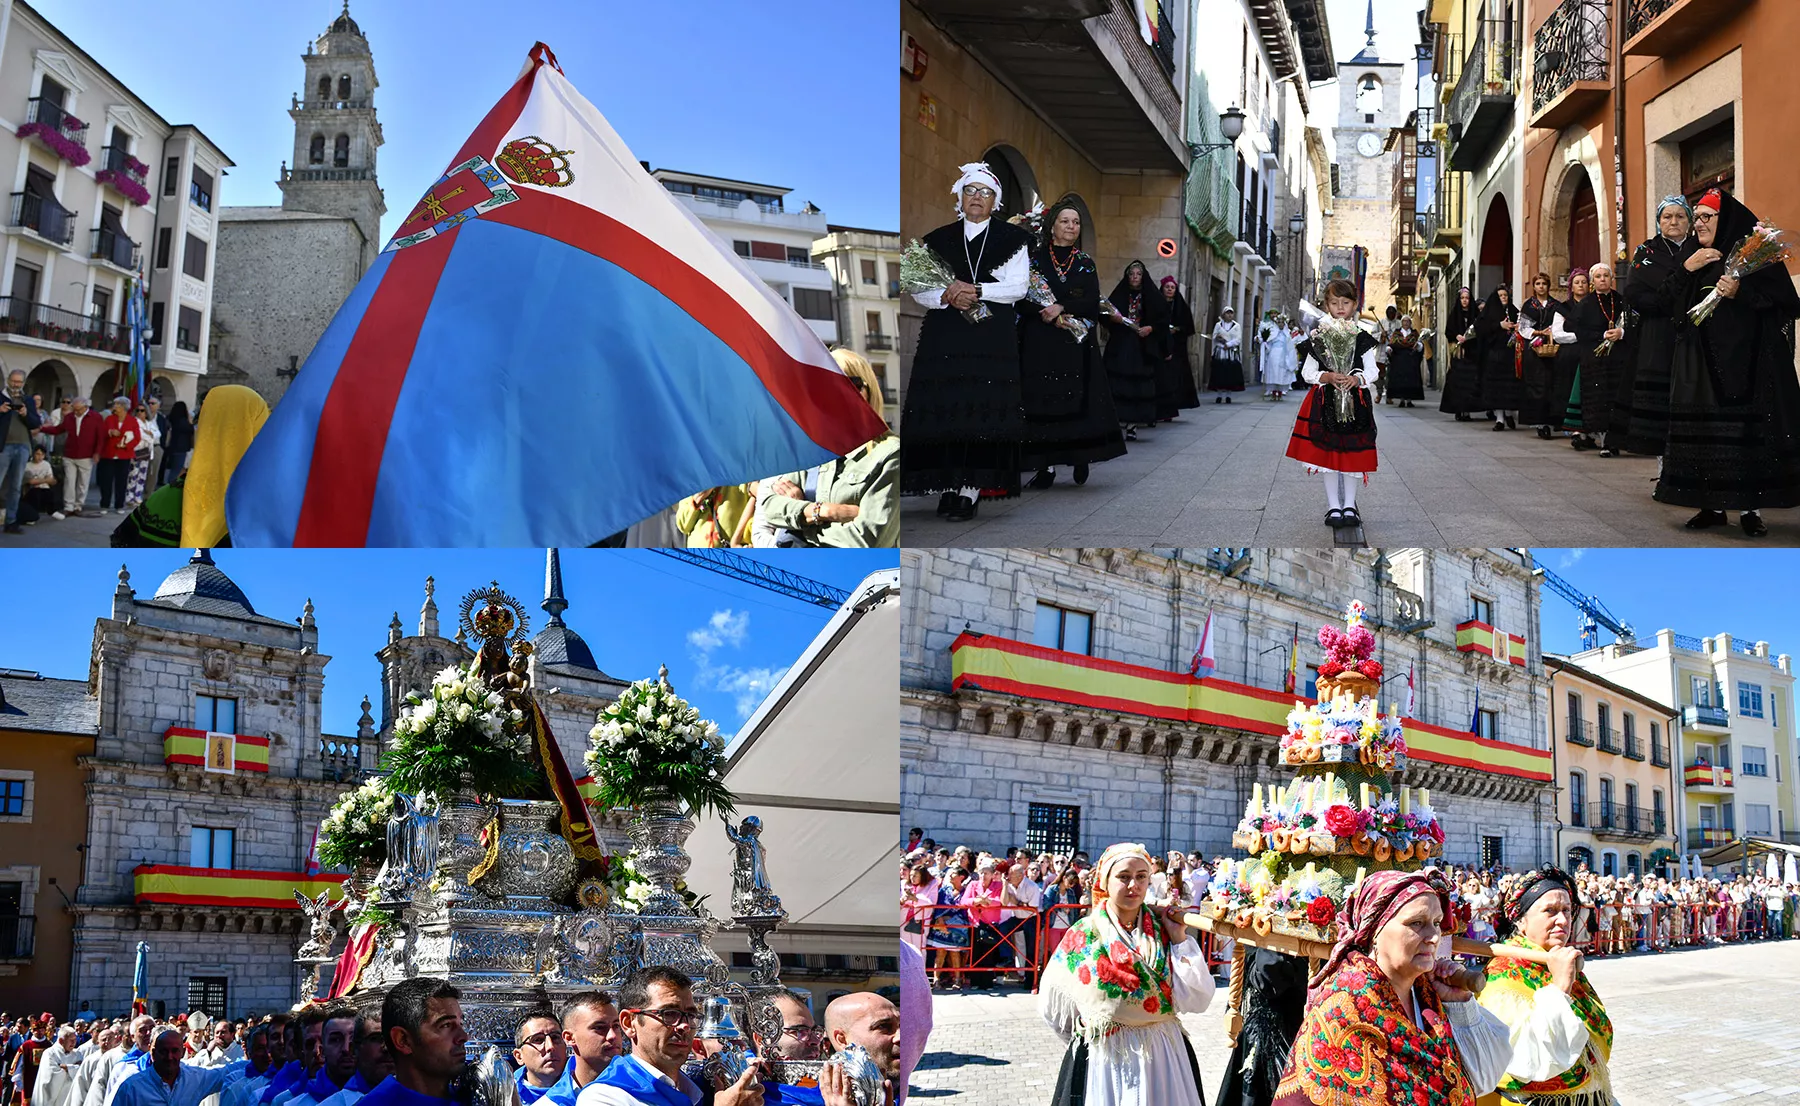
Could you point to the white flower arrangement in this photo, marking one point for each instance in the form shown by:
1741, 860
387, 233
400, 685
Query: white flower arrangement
462, 735
355, 832
650, 743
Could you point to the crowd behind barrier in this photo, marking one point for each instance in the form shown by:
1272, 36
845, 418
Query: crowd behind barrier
983, 920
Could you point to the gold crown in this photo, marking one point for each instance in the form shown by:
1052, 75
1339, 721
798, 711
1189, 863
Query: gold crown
531, 160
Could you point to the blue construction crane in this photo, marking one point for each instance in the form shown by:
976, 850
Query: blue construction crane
1594, 615
763, 575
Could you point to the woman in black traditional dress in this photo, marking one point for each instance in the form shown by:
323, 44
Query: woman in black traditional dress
1596, 320
1175, 389
1069, 417
1502, 391
1568, 356
964, 417
1641, 401
1135, 348
1227, 357
1405, 372
1274, 1005
1734, 402
1462, 377
1541, 321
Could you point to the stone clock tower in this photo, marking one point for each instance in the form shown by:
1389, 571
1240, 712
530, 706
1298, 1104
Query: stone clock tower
1372, 95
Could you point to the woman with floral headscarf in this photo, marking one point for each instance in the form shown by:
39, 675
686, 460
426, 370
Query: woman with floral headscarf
1561, 1036
1112, 990
1387, 1022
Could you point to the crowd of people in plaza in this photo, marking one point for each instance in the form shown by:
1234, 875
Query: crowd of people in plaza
1628, 370
982, 920
596, 1050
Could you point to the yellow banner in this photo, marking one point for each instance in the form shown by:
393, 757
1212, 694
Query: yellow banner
226, 887
1013, 668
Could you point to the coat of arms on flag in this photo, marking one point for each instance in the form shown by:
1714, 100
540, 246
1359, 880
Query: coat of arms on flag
466, 192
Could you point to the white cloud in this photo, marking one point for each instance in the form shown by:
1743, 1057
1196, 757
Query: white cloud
1571, 558
726, 627
748, 686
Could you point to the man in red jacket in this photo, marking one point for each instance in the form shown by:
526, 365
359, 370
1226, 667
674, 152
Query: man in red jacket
84, 428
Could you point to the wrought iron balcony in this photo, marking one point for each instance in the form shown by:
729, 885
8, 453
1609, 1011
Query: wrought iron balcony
1659, 755
115, 249
41, 113
1577, 731
880, 341
43, 216
329, 105
1655, 28
1709, 837
1706, 777
326, 174
1569, 70
1482, 104
1634, 749
1628, 821
24, 319
1704, 716
1609, 740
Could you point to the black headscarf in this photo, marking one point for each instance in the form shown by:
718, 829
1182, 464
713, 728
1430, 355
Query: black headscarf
1733, 337
1048, 227
1461, 318
1487, 324
1153, 311
1536, 884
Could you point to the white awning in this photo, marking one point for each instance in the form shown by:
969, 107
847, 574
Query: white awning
819, 763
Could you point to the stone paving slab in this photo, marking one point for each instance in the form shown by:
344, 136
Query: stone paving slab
1217, 476
1691, 1028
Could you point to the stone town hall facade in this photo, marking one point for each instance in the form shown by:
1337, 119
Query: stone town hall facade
195, 667
1036, 691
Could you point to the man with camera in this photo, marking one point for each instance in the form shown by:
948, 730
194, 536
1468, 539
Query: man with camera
19, 419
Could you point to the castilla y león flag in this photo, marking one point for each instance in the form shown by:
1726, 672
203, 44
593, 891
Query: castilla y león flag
549, 349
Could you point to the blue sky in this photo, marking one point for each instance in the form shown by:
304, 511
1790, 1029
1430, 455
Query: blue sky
1748, 593
786, 94
726, 643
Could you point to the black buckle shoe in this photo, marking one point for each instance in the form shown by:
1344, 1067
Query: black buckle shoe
1753, 525
1705, 520
1081, 473
946, 502
964, 510
1334, 518
1045, 477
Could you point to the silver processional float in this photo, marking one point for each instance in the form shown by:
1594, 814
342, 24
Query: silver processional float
474, 859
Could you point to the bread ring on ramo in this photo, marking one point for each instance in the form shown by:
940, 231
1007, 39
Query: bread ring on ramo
1297, 844
1361, 845
1278, 840
1403, 854
1313, 753
1383, 851
1244, 919
1261, 925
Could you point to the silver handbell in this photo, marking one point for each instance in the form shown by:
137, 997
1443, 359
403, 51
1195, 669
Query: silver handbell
495, 1084
862, 1073
716, 1022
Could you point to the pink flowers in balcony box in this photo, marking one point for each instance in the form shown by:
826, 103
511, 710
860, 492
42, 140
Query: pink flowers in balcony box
55, 137
124, 185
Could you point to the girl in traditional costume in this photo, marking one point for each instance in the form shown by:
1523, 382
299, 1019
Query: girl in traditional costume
1734, 402
1334, 433
1597, 320
1387, 1022
1112, 990
1543, 330
1561, 1036
1462, 377
1641, 415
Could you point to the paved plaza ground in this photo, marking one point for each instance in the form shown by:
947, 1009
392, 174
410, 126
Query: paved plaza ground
1218, 476
1692, 1028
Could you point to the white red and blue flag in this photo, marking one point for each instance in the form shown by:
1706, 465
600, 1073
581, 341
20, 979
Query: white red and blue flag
549, 349
1202, 664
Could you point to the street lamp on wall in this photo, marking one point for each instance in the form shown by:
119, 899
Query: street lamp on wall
1231, 125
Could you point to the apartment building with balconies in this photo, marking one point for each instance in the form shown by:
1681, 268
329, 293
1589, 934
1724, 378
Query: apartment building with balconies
1617, 785
864, 266
1701, 88
1735, 754
776, 243
104, 189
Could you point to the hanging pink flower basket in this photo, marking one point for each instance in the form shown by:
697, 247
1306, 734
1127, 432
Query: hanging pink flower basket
124, 185
70, 151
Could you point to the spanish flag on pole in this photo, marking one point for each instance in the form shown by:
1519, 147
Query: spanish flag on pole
140, 980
